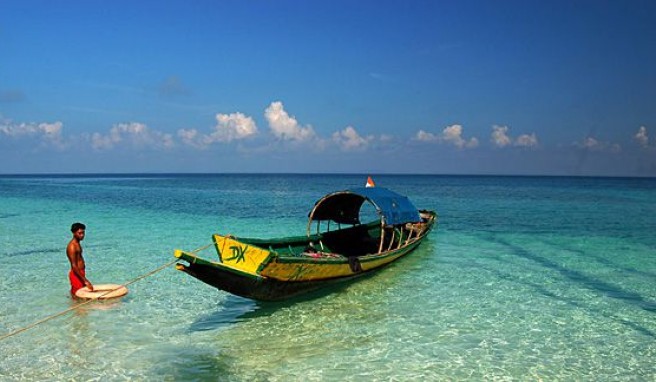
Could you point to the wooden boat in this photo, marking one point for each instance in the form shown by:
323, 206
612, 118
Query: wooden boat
337, 247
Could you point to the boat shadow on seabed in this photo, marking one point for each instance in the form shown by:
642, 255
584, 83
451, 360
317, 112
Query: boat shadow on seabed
237, 309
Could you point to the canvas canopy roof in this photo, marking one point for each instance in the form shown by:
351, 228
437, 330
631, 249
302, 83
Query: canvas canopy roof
344, 206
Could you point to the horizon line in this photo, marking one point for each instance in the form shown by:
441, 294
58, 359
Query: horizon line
155, 174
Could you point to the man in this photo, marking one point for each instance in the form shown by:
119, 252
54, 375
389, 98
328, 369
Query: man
74, 252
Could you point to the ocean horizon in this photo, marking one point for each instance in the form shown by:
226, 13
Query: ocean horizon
157, 174
525, 277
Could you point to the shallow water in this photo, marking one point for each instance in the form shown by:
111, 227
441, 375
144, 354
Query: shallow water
525, 278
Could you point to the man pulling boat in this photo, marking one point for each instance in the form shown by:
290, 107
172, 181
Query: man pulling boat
77, 274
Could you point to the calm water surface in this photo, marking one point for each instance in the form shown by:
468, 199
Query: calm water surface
524, 279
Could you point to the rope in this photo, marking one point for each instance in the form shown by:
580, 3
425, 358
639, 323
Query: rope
25, 328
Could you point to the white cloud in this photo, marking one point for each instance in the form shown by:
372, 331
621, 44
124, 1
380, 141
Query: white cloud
526, 140
501, 138
593, 144
425, 136
450, 134
134, 134
453, 134
48, 130
51, 129
642, 137
190, 137
229, 127
349, 139
233, 126
284, 126
48, 133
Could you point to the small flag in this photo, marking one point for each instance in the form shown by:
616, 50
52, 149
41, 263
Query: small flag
370, 182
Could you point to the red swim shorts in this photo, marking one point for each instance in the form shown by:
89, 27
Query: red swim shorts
76, 282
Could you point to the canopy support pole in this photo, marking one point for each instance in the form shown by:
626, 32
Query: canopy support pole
409, 236
382, 238
392, 239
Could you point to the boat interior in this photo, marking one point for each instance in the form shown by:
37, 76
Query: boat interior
351, 241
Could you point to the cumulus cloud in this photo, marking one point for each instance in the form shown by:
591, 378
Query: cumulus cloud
453, 135
132, 134
191, 137
424, 136
50, 134
527, 140
450, 135
286, 127
642, 137
501, 138
349, 139
234, 126
229, 127
593, 144
47, 130
590, 143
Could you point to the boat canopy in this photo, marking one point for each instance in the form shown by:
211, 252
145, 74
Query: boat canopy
344, 206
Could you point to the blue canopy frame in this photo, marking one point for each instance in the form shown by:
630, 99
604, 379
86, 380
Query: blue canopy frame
344, 206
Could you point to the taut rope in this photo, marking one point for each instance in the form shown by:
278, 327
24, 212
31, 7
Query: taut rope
25, 328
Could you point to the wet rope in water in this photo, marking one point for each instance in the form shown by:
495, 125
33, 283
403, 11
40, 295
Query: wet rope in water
25, 328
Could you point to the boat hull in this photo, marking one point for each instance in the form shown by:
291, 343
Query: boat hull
257, 287
279, 269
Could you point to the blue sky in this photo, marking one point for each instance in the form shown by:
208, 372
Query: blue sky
439, 87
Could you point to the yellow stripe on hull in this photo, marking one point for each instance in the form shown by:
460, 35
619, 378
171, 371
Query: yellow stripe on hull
305, 271
312, 269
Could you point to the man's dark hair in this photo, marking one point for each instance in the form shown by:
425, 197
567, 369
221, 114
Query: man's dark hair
77, 226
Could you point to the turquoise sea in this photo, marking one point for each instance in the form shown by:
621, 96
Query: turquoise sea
525, 278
